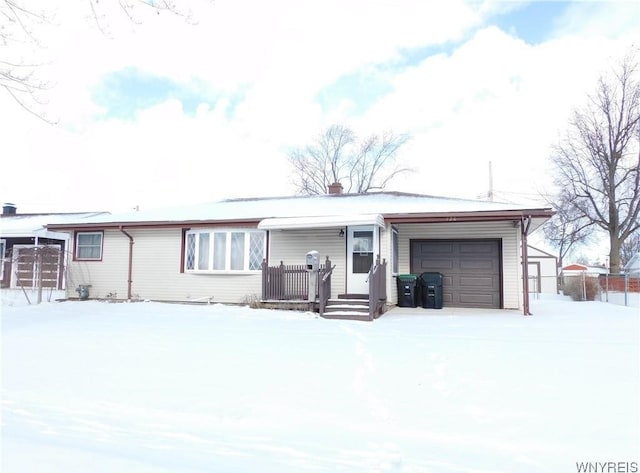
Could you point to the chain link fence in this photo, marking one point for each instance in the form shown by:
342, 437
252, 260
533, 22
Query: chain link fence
620, 289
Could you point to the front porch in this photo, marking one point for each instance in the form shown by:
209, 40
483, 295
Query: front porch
287, 286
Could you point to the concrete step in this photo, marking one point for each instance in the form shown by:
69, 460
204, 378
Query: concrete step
348, 301
350, 307
347, 315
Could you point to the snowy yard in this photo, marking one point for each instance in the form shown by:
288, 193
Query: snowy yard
147, 387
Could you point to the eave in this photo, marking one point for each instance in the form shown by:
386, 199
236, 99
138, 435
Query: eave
162, 224
482, 216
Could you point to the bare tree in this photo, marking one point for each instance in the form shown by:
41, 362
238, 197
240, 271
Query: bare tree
338, 156
630, 247
568, 229
598, 162
18, 78
19, 26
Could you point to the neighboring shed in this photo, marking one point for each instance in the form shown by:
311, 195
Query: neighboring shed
632, 268
543, 271
581, 270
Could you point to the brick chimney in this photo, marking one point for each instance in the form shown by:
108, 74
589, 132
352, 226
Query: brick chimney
335, 188
9, 209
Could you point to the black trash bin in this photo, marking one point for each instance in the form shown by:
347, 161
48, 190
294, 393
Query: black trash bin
407, 290
431, 285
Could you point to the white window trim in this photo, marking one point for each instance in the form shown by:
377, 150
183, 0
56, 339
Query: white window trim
3, 248
77, 246
228, 231
395, 255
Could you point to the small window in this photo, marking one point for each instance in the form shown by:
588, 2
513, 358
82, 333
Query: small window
89, 246
363, 242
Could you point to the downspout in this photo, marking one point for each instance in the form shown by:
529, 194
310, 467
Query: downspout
130, 274
525, 223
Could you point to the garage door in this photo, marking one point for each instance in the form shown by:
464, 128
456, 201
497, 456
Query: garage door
471, 270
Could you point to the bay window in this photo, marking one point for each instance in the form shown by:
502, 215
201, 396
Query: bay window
213, 250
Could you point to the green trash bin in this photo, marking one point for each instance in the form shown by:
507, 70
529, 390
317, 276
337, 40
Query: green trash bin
407, 290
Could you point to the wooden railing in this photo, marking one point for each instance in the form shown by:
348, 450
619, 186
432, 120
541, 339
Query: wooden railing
324, 285
287, 282
377, 288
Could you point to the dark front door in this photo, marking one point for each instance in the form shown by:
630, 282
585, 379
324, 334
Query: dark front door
471, 268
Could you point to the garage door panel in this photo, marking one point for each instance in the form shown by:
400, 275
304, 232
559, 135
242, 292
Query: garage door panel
471, 270
480, 266
475, 300
438, 248
447, 299
486, 283
477, 248
437, 265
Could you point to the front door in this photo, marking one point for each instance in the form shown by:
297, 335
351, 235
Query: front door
361, 244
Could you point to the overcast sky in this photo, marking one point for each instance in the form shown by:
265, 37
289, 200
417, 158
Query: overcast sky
166, 111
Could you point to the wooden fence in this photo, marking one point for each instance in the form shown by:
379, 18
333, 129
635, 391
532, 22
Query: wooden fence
377, 289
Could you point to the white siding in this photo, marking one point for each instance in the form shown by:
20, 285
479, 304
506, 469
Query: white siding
505, 231
386, 252
291, 247
108, 276
157, 255
157, 275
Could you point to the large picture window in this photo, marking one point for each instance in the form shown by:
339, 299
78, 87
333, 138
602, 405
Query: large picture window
224, 250
89, 246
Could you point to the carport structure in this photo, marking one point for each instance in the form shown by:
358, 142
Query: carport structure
482, 255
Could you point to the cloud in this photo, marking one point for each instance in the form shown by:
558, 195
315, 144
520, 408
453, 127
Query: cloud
172, 112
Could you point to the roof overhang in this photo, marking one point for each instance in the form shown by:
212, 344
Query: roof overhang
40, 233
117, 225
334, 221
537, 216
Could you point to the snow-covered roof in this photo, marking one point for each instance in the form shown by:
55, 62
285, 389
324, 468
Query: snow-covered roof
633, 266
583, 268
534, 251
256, 209
283, 223
29, 225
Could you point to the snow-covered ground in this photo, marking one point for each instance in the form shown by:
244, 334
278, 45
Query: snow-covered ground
630, 299
148, 387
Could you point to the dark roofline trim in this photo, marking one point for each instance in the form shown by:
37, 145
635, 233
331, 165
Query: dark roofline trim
161, 224
479, 216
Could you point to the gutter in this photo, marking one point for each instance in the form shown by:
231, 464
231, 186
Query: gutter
489, 216
130, 273
244, 223
525, 223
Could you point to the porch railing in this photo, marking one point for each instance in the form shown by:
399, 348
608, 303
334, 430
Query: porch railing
324, 285
377, 288
287, 282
